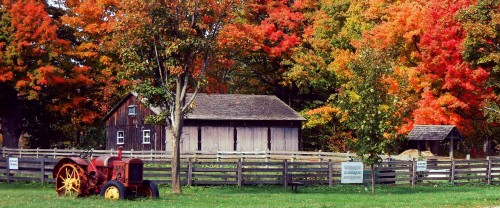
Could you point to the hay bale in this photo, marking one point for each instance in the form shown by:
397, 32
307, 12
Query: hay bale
414, 153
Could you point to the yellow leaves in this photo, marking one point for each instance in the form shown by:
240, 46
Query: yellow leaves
320, 116
105, 60
353, 96
339, 65
387, 135
450, 101
383, 108
323, 110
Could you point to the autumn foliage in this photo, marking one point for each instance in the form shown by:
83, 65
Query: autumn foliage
74, 60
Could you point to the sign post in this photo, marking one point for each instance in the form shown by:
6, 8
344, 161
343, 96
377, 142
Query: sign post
352, 172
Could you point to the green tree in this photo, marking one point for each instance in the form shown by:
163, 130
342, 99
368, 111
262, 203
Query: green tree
368, 106
318, 65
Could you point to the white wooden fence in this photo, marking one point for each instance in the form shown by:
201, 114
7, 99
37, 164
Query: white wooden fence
163, 155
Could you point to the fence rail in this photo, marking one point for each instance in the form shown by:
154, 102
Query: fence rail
197, 155
163, 155
243, 172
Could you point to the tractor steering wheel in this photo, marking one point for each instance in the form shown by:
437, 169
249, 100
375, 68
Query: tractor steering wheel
86, 154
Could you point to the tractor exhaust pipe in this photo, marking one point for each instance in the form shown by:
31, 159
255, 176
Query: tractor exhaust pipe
120, 149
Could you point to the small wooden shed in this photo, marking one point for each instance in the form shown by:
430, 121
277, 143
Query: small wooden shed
218, 122
431, 137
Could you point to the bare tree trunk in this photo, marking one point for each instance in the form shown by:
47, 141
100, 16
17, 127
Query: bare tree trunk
177, 120
176, 162
372, 167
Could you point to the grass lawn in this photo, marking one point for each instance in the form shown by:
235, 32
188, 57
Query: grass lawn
43, 195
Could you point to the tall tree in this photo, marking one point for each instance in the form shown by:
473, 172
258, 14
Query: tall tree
368, 106
29, 47
89, 25
166, 48
481, 22
319, 62
426, 39
260, 39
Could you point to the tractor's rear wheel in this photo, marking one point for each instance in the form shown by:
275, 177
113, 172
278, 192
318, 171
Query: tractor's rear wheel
70, 180
114, 190
149, 189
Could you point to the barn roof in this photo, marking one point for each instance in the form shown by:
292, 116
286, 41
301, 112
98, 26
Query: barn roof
234, 107
434, 132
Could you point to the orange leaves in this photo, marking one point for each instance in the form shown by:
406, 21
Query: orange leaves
321, 116
6, 76
429, 41
34, 28
275, 35
176, 70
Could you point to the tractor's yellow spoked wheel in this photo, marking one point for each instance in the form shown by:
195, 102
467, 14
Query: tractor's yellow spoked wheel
69, 180
112, 193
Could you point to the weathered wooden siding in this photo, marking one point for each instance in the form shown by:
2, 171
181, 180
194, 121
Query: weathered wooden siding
284, 139
215, 135
189, 139
133, 127
217, 138
251, 138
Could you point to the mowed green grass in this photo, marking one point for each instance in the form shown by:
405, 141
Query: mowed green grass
38, 195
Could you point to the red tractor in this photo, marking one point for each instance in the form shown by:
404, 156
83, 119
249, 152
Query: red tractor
112, 177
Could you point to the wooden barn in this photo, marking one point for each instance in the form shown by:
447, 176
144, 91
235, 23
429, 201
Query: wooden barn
435, 137
218, 122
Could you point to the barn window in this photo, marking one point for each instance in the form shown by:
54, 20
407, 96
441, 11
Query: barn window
120, 137
131, 110
146, 136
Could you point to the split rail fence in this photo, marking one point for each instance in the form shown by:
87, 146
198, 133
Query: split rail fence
241, 172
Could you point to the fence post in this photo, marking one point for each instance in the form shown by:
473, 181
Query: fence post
452, 177
330, 172
240, 172
190, 172
42, 169
55, 148
414, 172
285, 172
7, 173
152, 155
320, 156
489, 171
37, 152
267, 156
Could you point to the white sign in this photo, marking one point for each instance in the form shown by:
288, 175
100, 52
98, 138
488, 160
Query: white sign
422, 165
13, 163
352, 172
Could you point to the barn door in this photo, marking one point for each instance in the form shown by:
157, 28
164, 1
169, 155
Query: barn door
284, 139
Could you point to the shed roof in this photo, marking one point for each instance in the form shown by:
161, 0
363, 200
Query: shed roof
234, 107
434, 132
